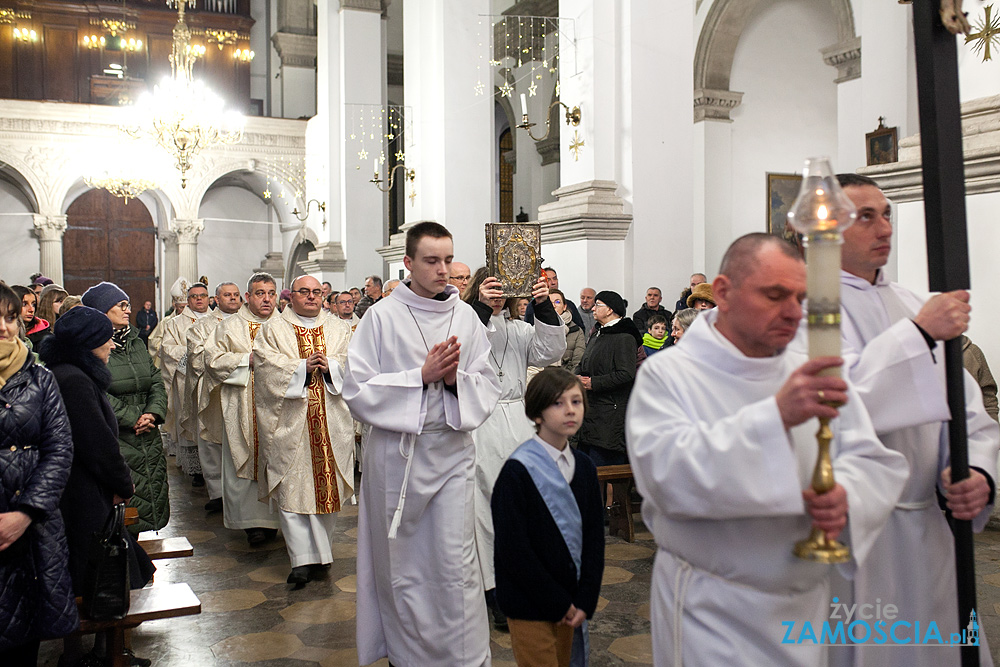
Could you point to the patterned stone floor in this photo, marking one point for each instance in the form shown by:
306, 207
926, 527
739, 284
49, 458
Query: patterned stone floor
250, 616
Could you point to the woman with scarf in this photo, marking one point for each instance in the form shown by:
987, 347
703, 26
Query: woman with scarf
35, 327
36, 451
139, 400
576, 342
77, 354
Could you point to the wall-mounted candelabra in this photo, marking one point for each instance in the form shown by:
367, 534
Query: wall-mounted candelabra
408, 174
572, 118
320, 206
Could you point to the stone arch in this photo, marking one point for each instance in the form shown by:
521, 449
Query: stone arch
303, 246
720, 35
19, 182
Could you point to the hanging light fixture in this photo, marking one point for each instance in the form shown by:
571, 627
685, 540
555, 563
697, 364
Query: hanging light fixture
182, 115
125, 168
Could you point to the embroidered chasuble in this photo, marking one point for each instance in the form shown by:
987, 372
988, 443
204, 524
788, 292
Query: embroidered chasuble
304, 431
254, 327
327, 500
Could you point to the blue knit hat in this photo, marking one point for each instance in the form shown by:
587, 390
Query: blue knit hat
104, 296
83, 326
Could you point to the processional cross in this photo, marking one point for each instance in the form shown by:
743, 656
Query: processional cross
989, 31
935, 24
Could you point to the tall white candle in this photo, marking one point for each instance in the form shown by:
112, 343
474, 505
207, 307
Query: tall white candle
524, 104
375, 167
823, 287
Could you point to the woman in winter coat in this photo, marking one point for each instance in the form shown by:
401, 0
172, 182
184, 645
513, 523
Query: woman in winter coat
36, 451
607, 371
77, 354
35, 327
139, 400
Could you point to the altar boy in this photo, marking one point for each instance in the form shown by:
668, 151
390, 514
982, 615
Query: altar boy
547, 514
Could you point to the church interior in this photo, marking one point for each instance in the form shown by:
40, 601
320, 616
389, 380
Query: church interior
642, 136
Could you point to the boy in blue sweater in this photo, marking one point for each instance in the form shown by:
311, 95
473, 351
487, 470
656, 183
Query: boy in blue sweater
549, 523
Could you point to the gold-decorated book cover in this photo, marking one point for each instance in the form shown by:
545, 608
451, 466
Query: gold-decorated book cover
514, 256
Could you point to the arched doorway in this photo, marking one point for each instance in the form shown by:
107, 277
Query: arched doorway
107, 239
506, 172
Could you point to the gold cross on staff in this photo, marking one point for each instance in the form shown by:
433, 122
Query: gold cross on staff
989, 31
576, 145
413, 197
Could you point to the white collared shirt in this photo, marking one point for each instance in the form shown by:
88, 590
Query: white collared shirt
564, 459
611, 323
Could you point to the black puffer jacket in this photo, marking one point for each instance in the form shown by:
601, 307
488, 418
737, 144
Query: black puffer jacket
609, 362
36, 452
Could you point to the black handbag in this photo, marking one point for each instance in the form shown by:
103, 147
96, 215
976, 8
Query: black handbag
106, 587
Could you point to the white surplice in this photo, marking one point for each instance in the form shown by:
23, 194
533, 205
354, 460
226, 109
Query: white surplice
201, 418
901, 382
515, 345
227, 361
420, 596
722, 480
173, 367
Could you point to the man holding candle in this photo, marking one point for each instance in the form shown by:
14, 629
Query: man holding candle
899, 376
721, 436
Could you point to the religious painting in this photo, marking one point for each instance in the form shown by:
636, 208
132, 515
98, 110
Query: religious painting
514, 256
782, 189
881, 146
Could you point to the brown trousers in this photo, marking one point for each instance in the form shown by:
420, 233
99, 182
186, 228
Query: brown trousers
540, 643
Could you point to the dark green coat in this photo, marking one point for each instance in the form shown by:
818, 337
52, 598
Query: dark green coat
136, 389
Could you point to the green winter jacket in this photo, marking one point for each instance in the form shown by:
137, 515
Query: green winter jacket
136, 389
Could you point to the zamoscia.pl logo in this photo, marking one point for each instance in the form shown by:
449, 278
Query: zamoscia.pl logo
877, 625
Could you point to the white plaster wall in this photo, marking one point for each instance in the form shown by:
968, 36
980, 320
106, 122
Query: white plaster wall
20, 247
236, 235
789, 109
911, 250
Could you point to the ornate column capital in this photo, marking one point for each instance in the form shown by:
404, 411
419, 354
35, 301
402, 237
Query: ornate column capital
187, 231
364, 5
714, 104
49, 227
846, 57
295, 50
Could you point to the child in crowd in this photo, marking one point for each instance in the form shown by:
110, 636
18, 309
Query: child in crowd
656, 337
549, 523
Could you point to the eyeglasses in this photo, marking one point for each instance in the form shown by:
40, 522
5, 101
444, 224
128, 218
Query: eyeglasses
306, 292
198, 296
124, 305
598, 304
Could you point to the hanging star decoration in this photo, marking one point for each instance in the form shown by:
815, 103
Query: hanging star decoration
532, 89
545, 63
557, 89
298, 193
400, 156
362, 154
267, 193
480, 88
987, 34
576, 146
506, 89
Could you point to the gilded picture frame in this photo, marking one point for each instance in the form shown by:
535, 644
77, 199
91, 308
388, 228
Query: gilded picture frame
514, 256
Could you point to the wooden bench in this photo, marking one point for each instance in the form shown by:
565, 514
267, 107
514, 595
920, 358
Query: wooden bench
148, 604
620, 520
167, 547
131, 516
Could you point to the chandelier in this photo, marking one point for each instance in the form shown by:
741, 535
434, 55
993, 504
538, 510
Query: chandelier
182, 115
124, 168
125, 186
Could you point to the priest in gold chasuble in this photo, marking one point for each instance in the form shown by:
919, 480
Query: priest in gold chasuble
305, 431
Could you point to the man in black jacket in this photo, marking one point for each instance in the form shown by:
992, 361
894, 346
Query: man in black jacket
607, 371
649, 308
145, 321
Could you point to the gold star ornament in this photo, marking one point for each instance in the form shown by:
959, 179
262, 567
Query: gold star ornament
506, 90
986, 36
576, 145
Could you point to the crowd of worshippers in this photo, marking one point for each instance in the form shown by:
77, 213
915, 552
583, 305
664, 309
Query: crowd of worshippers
477, 425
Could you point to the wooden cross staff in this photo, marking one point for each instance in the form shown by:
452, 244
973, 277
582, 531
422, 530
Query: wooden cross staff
947, 245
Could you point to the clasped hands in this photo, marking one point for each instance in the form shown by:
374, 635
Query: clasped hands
144, 423
442, 362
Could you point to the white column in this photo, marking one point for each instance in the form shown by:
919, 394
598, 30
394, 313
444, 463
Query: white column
363, 226
187, 247
452, 144
50, 230
713, 181
170, 265
297, 76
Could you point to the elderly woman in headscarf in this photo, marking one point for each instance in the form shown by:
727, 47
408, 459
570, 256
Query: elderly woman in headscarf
77, 354
139, 400
36, 451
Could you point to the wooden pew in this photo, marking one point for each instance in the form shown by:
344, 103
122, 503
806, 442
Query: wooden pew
167, 547
620, 521
148, 604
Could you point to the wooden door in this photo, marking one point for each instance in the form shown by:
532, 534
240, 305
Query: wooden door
107, 239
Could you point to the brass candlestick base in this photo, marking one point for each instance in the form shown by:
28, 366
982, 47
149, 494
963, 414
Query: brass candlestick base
817, 547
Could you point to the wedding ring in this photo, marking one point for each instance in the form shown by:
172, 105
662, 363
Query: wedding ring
821, 396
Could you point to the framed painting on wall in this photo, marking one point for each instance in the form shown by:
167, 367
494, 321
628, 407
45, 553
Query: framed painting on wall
881, 146
782, 189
